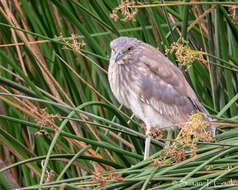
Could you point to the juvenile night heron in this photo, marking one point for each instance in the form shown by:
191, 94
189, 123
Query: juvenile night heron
144, 80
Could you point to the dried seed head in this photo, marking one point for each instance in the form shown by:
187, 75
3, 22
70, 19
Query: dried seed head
184, 54
126, 10
74, 43
190, 133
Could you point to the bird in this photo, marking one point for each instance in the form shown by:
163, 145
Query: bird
147, 82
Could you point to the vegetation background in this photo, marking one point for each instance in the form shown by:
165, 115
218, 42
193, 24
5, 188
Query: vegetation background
61, 127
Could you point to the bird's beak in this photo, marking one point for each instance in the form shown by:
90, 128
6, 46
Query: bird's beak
118, 55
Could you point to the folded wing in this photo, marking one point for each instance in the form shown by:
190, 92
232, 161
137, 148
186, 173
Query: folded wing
166, 88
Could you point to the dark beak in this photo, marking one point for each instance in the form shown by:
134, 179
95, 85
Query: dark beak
118, 55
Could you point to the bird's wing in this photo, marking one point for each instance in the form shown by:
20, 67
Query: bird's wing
166, 88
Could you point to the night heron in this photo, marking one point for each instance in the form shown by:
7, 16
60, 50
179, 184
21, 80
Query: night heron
144, 80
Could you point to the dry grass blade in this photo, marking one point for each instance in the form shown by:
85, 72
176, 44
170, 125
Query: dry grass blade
20, 157
199, 18
33, 48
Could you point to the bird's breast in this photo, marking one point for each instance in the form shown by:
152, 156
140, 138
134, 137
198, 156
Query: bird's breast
118, 75
125, 84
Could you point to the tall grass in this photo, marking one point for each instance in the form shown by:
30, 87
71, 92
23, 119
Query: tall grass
61, 127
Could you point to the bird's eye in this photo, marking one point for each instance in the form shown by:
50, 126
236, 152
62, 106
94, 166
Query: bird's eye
129, 49
113, 50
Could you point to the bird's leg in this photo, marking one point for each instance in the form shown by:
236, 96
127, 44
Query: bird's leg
147, 143
169, 137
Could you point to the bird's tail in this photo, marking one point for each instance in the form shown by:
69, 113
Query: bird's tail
210, 128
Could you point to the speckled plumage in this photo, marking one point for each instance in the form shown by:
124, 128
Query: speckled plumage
145, 81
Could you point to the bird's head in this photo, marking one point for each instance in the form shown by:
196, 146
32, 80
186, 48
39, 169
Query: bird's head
122, 48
